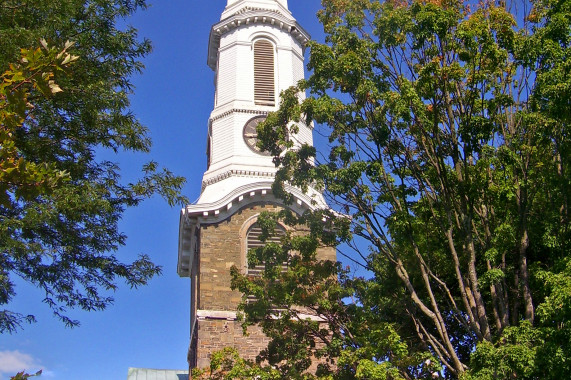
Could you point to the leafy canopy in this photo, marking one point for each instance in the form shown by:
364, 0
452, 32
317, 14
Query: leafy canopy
62, 104
448, 156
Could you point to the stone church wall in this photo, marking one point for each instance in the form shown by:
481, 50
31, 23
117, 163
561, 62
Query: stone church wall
222, 246
215, 334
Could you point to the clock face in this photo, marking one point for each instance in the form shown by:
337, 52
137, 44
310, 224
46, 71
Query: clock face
251, 135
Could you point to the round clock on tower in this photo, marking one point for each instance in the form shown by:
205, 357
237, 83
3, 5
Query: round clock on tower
250, 133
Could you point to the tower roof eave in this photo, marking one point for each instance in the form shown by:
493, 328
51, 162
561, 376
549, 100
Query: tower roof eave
252, 16
192, 216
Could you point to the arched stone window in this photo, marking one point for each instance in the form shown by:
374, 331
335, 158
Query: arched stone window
253, 241
264, 73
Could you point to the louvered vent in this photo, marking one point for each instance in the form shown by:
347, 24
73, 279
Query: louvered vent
264, 77
253, 241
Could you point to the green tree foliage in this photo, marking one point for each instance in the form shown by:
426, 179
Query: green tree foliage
227, 364
21, 179
448, 130
61, 106
24, 376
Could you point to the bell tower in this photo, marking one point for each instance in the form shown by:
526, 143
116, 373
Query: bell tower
256, 51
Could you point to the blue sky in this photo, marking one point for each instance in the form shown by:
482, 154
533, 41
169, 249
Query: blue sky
147, 327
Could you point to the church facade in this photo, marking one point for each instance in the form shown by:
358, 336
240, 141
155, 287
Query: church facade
256, 51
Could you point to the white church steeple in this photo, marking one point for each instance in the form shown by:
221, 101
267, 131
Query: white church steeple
256, 51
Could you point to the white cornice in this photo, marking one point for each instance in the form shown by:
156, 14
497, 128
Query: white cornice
236, 110
253, 15
237, 173
253, 192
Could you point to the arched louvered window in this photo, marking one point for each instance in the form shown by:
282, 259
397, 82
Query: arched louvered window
253, 241
264, 75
